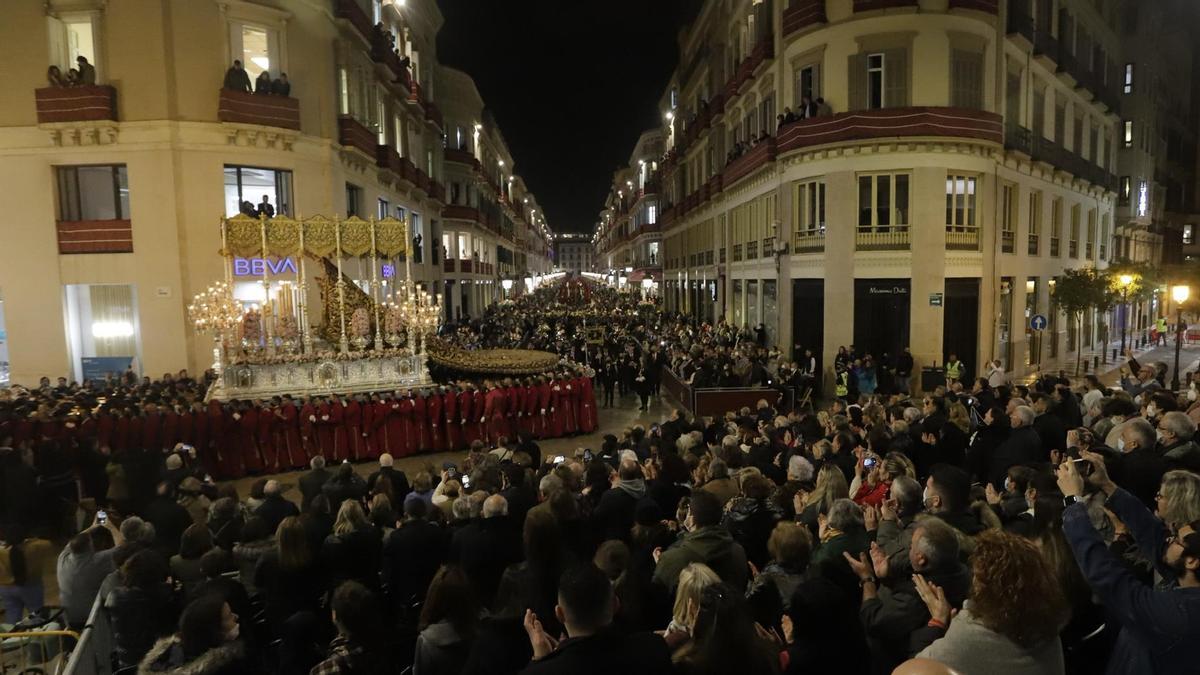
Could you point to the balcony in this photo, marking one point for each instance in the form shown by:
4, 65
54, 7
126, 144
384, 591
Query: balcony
893, 239
1019, 139
763, 51
962, 238
95, 236
461, 156
1008, 241
449, 265
421, 180
801, 14
988, 6
76, 104
752, 160
351, 11
382, 52
868, 5
891, 123
386, 157
1049, 152
352, 134
437, 191
433, 114
1034, 244
460, 211
240, 107
809, 241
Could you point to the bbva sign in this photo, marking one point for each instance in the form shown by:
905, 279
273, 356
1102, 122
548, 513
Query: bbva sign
254, 267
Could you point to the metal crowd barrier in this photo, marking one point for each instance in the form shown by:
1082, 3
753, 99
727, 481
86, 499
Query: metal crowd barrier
92, 654
40, 650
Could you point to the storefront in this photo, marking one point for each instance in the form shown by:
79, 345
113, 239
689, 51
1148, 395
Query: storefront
103, 331
882, 309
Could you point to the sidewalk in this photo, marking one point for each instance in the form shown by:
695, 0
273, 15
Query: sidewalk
1109, 373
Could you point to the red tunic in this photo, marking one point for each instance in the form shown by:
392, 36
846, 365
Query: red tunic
558, 411
187, 428
367, 432
420, 436
266, 438
454, 439
585, 403
513, 410
397, 433
337, 418
437, 440
248, 436
219, 440
478, 410
152, 432
202, 439
495, 402
381, 410
287, 435
308, 430
408, 428
325, 431
529, 409
134, 440
568, 402
105, 426
544, 422
467, 418
354, 424
170, 429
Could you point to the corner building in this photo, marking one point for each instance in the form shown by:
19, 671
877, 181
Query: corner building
115, 191
965, 161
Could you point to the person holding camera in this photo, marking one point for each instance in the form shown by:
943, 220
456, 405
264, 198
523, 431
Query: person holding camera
1158, 625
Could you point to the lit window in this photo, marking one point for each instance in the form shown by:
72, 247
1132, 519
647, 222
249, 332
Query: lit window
93, 193
1188, 234
1128, 88
1125, 191
875, 81
246, 187
1127, 139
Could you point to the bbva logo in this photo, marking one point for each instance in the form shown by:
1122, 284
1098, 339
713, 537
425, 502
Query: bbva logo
246, 267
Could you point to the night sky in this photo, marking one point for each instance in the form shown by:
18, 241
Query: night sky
571, 83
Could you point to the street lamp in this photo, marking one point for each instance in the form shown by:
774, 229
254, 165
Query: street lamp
1125, 280
1180, 295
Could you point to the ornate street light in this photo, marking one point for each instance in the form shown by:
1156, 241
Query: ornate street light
1180, 295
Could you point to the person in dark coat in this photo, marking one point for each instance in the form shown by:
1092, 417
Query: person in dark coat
344, 485
262, 84
412, 554
312, 482
169, 520
1141, 466
352, 552
274, 507
1049, 425
614, 514
398, 479
1023, 446
988, 437
586, 608
236, 78
485, 547
1159, 625
751, 517
142, 608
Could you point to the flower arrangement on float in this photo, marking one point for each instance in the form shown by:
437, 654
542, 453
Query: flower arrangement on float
320, 357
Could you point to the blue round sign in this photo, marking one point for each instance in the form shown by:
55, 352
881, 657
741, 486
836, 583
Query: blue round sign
1038, 322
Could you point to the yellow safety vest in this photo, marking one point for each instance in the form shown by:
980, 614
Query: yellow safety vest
843, 387
954, 370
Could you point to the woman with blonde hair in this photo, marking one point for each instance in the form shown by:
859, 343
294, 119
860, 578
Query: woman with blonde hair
959, 417
831, 486
288, 577
872, 483
354, 549
692, 581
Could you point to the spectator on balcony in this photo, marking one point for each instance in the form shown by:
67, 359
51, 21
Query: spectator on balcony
73, 77
54, 77
280, 86
807, 108
265, 209
87, 72
236, 78
262, 85
823, 108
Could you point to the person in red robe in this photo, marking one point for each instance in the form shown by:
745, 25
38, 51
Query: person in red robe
495, 402
187, 426
478, 410
512, 407
105, 426
409, 444
367, 431
586, 404
337, 418
396, 430
558, 411
325, 436
152, 429
217, 435
136, 423
545, 408
252, 453
433, 408
450, 411
287, 426
308, 429
170, 427
238, 438
353, 422
467, 419
529, 407
380, 411
202, 436
266, 435
421, 421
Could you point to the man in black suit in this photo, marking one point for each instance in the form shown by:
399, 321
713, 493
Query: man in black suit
312, 482
398, 479
236, 78
274, 507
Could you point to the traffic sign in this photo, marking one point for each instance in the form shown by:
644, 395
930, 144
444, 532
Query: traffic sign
1038, 322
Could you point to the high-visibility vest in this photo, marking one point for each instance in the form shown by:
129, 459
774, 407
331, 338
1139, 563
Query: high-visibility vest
843, 384
954, 370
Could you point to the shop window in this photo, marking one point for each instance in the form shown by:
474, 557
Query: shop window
102, 328
93, 193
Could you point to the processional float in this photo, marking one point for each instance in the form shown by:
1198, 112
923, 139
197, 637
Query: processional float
367, 340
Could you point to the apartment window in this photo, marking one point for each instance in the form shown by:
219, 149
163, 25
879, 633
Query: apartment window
1060, 123
1088, 245
1056, 208
1077, 136
354, 197
380, 120
1035, 222
768, 113
93, 193
883, 202
1125, 191
385, 209
1128, 85
960, 203
1189, 235
343, 91
1127, 138
1073, 242
876, 80
1008, 218
966, 79
808, 84
257, 47
1105, 233
246, 188
810, 208
1039, 112
73, 35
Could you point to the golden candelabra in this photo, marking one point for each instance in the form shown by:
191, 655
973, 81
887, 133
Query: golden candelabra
421, 313
215, 311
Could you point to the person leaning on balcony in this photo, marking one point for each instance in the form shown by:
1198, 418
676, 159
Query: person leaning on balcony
823, 108
280, 86
87, 72
262, 85
236, 78
54, 77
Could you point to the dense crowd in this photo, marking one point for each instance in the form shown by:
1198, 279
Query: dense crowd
983, 529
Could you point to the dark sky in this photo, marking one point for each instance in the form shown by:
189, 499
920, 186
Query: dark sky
571, 83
